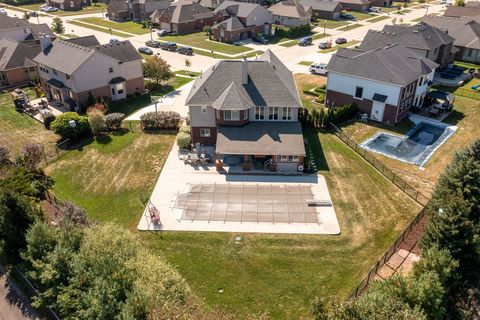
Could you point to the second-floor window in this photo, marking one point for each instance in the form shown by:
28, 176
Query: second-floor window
273, 113
67, 76
259, 113
287, 114
358, 92
231, 115
110, 69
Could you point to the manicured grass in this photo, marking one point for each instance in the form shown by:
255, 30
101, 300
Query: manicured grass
188, 73
127, 26
222, 56
330, 24
361, 15
379, 18
467, 65
464, 90
306, 82
305, 63
200, 40
350, 27
89, 9
16, 129
402, 11
465, 116
89, 26
314, 36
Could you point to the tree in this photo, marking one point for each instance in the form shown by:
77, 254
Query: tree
26, 16
63, 126
156, 68
207, 30
460, 3
4, 155
90, 99
68, 213
32, 156
57, 26
114, 120
97, 121
183, 140
188, 64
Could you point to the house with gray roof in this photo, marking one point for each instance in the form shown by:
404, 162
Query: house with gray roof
291, 13
242, 21
248, 109
69, 5
422, 38
467, 11
21, 30
465, 31
110, 71
356, 5
183, 17
16, 63
324, 9
137, 10
384, 82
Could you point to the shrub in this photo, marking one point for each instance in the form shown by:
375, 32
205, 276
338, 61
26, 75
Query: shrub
61, 125
69, 213
183, 140
47, 118
32, 155
97, 121
319, 119
207, 30
32, 184
160, 120
186, 129
90, 100
4, 155
293, 32
100, 107
114, 120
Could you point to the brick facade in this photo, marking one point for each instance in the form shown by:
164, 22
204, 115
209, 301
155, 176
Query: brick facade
237, 35
206, 141
241, 122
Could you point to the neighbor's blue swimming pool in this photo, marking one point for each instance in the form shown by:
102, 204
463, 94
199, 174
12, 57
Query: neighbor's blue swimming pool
416, 147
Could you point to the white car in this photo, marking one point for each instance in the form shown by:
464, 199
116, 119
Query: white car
2, 11
318, 68
374, 9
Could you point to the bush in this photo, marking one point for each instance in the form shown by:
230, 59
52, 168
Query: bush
61, 125
32, 156
97, 121
184, 140
100, 107
4, 155
160, 120
114, 120
158, 87
186, 129
293, 32
207, 30
48, 118
319, 119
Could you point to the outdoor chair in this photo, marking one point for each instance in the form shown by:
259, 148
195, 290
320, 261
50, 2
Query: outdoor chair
154, 214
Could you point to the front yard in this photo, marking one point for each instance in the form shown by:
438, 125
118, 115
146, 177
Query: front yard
336, 46
127, 26
200, 40
98, 28
97, 7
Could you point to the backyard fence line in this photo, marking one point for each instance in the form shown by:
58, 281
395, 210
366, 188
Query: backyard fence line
382, 168
52, 153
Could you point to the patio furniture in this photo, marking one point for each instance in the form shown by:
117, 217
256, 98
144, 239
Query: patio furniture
183, 154
154, 214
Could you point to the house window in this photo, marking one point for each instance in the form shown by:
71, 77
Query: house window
259, 113
231, 115
359, 92
67, 76
245, 114
287, 113
273, 113
54, 71
470, 52
113, 91
110, 69
204, 109
120, 91
204, 132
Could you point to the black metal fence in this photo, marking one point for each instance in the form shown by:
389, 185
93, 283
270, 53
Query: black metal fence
54, 152
383, 169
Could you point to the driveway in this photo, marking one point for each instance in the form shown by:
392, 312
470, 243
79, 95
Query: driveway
13, 305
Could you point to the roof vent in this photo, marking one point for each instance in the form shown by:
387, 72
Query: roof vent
393, 33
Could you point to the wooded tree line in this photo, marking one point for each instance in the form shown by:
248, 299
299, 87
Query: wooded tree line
444, 283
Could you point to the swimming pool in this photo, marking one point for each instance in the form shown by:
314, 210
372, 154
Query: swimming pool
416, 147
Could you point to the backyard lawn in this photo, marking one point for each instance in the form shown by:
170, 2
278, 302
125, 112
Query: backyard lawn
464, 90
465, 116
97, 28
200, 40
127, 26
306, 82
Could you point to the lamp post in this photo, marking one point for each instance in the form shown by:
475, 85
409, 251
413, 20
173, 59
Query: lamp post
151, 36
110, 29
324, 26
426, 11
73, 125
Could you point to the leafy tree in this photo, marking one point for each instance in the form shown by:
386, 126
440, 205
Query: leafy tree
114, 120
32, 156
32, 184
188, 64
97, 121
68, 213
48, 118
158, 69
207, 30
16, 216
460, 3
26, 16
61, 125
57, 26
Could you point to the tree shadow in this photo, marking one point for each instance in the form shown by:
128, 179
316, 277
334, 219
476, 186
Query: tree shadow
454, 118
316, 148
103, 139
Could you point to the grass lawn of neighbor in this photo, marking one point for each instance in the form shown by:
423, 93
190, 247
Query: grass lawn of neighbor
465, 116
465, 90
127, 26
97, 7
200, 40
306, 82
113, 177
222, 56
188, 73
332, 24
336, 46
361, 15
97, 28
379, 18
350, 27
305, 63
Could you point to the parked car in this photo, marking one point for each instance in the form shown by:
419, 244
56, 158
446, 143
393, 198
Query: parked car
185, 50
114, 41
348, 16
33, 14
318, 68
305, 41
162, 33
2, 11
169, 46
153, 43
48, 9
260, 39
341, 41
325, 45
145, 50
374, 9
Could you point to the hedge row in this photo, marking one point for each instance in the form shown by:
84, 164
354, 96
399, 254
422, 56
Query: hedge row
321, 118
293, 32
160, 120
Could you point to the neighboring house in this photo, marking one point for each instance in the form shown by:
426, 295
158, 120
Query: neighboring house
458, 12
290, 13
69, 5
355, 5
138, 10
183, 17
213, 4
324, 9
21, 30
465, 31
382, 3
384, 83
422, 38
16, 63
69, 72
249, 109
243, 21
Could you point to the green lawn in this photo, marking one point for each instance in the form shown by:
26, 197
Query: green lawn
281, 274
127, 26
200, 40
345, 45
222, 56
362, 15
464, 90
96, 28
379, 18
401, 12
188, 73
330, 24
350, 27
305, 63
98, 7
314, 36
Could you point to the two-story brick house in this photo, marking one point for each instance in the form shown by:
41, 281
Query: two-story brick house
249, 109
384, 83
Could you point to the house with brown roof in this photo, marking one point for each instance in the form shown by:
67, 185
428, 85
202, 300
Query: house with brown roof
137, 10
242, 21
111, 71
183, 17
465, 31
16, 63
356, 5
324, 9
291, 13
69, 5
470, 10
249, 110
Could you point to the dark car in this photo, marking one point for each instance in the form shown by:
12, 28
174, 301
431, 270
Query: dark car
261, 40
305, 41
145, 50
162, 33
348, 16
185, 50
33, 14
169, 46
153, 44
114, 41
325, 45
341, 41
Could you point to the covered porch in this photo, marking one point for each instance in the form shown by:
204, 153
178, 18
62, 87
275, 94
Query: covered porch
59, 95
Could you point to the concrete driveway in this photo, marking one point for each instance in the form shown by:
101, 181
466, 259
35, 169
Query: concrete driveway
13, 305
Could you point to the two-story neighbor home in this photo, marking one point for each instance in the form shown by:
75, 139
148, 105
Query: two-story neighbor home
122, 10
70, 72
291, 13
16, 63
249, 109
69, 5
242, 21
356, 5
21, 30
183, 17
324, 9
384, 83
422, 38
465, 31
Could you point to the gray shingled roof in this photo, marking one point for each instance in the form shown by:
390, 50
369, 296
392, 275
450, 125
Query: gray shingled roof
322, 5
261, 138
239, 9
270, 83
231, 24
123, 51
87, 41
14, 54
117, 6
7, 22
290, 8
393, 64
183, 11
465, 31
455, 11
420, 36
233, 98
